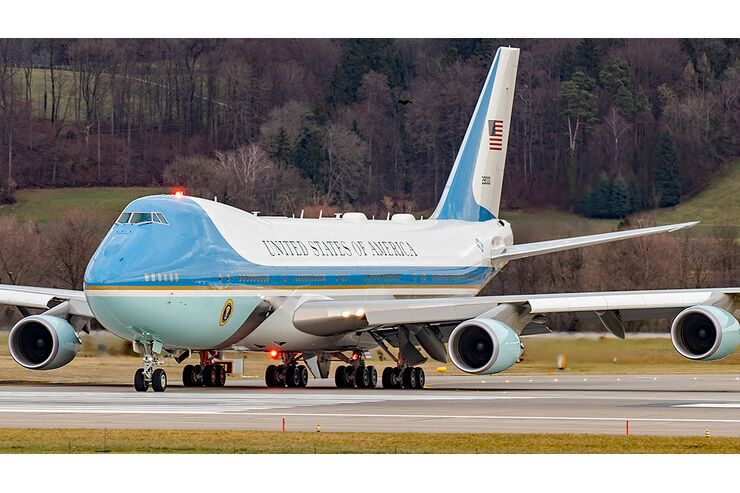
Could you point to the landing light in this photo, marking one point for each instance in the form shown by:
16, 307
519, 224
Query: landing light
359, 313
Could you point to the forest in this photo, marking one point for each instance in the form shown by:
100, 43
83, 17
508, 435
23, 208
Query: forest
604, 127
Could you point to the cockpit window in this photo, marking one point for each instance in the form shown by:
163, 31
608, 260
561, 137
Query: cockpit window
142, 218
123, 219
159, 218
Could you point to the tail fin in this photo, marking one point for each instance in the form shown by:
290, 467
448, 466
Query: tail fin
473, 189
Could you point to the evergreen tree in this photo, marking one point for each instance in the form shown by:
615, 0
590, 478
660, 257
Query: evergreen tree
280, 147
619, 205
601, 197
667, 178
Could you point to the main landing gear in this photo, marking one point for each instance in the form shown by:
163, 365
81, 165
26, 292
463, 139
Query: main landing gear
404, 378
356, 374
204, 374
289, 373
148, 376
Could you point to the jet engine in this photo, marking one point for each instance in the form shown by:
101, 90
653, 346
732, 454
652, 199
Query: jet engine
43, 342
484, 346
705, 333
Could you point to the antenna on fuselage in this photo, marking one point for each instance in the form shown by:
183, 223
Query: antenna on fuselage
215, 198
302, 213
388, 217
321, 213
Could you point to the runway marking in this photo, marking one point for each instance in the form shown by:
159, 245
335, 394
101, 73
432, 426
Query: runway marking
718, 405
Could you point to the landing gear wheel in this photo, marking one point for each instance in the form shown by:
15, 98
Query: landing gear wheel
304, 376
140, 383
197, 375
209, 376
397, 378
362, 377
409, 378
349, 376
220, 375
159, 380
340, 377
420, 377
281, 375
387, 379
372, 377
270, 379
188, 376
293, 376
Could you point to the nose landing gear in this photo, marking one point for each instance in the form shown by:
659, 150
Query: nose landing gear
148, 376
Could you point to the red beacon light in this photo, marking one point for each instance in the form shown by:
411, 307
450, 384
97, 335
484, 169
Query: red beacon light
179, 193
274, 354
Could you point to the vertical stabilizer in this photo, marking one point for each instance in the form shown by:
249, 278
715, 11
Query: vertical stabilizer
473, 189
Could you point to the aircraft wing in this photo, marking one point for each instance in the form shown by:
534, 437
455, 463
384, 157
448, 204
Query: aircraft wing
44, 298
542, 247
330, 317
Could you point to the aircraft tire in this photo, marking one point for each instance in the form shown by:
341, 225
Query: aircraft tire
198, 376
387, 378
159, 380
187, 376
340, 377
421, 377
304, 376
372, 377
292, 376
362, 377
270, 376
209, 376
409, 378
140, 383
220, 375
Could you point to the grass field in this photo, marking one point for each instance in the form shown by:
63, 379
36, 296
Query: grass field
274, 442
716, 205
103, 360
45, 205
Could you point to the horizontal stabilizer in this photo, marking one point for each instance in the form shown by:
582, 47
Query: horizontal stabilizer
542, 247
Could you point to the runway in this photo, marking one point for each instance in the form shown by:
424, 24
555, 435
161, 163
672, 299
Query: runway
655, 404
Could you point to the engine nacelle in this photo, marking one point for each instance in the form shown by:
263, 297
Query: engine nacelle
705, 333
484, 346
43, 342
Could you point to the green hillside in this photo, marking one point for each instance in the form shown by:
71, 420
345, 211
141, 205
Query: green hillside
45, 205
716, 205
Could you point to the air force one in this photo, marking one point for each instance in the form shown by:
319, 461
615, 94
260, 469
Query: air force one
176, 275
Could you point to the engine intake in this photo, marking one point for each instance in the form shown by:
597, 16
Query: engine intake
705, 333
484, 346
43, 342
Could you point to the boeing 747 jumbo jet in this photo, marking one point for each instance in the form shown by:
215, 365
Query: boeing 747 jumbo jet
177, 275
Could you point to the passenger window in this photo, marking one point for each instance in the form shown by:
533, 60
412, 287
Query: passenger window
123, 219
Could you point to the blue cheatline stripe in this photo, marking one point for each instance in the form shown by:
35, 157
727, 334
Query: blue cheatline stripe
315, 277
459, 203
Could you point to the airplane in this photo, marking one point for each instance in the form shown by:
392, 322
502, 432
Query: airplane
178, 275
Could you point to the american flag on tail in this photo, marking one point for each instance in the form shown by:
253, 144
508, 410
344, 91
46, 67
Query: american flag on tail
495, 135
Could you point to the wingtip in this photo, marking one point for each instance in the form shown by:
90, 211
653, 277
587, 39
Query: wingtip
689, 224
